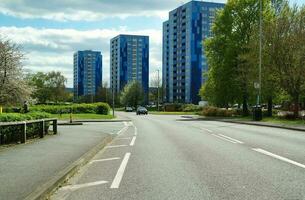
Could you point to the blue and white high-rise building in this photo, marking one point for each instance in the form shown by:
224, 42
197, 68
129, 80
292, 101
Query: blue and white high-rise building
184, 61
87, 73
129, 61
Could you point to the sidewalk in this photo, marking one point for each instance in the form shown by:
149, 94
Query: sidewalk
24, 168
255, 123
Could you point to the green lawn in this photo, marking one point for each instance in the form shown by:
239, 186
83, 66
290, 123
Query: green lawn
275, 120
82, 116
171, 113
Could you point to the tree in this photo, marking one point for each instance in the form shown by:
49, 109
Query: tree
286, 37
13, 87
132, 94
48, 86
103, 94
154, 91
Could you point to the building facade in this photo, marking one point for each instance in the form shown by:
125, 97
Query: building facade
87, 73
184, 61
129, 61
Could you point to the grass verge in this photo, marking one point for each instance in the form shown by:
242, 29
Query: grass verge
82, 116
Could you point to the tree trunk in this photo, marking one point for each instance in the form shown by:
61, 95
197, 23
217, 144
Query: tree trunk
296, 107
245, 106
270, 104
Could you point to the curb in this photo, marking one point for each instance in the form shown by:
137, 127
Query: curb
251, 123
69, 124
43, 191
97, 120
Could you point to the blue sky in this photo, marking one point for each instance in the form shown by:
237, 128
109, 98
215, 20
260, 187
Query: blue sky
50, 31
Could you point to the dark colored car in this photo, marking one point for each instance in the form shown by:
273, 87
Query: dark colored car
142, 110
128, 109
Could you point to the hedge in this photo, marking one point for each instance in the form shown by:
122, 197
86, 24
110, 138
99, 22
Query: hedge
11, 134
98, 108
13, 117
211, 111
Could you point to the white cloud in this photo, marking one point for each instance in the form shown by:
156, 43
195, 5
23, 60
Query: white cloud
52, 49
87, 10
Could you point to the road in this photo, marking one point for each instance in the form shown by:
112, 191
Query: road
168, 157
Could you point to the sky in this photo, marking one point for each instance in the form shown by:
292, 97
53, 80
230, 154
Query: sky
50, 31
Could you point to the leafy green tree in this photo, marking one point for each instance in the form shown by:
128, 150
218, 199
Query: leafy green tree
132, 94
286, 38
49, 87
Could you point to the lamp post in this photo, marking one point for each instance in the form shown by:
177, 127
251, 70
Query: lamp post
158, 90
260, 53
257, 112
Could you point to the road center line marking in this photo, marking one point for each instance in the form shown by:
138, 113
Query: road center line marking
106, 159
133, 141
79, 186
279, 157
224, 138
119, 175
238, 141
115, 146
208, 130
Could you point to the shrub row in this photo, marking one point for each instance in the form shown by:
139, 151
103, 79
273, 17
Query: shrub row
211, 111
13, 117
98, 108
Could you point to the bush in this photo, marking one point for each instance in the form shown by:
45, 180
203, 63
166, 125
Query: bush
211, 111
13, 117
102, 108
191, 108
99, 108
175, 107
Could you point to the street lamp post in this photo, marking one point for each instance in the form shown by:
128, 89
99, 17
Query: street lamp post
260, 53
158, 91
257, 112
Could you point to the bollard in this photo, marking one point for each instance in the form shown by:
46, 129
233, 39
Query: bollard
0, 109
23, 133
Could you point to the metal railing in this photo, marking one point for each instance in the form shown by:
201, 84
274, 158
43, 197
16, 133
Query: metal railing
21, 131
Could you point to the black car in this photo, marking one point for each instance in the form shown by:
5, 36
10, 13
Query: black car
142, 110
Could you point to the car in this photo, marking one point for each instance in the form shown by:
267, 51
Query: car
142, 110
128, 109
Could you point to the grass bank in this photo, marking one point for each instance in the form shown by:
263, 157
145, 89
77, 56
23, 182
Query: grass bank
82, 116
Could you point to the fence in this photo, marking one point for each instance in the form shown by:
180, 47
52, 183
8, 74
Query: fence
14, 132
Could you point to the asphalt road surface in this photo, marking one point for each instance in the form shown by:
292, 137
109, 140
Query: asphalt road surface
164, 157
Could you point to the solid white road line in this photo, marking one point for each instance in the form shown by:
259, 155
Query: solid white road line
208, 130
122, 130
238, 141
224, 138
106, 159
279, 157
115, 146
122, 138
119, 175
79, 186
133, 141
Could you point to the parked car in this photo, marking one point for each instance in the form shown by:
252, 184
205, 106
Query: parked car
142, 110
128, 109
